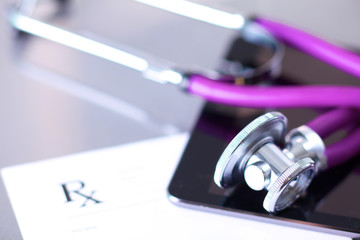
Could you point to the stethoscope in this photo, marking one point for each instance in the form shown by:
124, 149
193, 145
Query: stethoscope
261, 154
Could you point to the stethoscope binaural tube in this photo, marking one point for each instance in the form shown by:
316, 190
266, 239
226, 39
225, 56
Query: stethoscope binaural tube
281, 97
331, 54
328, 123
340, 152
334, 120
274, 96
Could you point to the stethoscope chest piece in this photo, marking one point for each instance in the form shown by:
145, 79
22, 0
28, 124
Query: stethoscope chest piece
254, 155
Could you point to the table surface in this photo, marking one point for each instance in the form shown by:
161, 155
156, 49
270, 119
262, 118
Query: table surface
57, 101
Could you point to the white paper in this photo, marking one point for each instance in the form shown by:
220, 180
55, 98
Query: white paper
120, 193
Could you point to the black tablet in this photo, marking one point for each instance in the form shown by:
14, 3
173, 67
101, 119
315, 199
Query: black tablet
332, 200
331, 203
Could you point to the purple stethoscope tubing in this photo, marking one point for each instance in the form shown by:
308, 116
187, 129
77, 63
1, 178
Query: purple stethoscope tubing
279, 96
316, 96
333, 55
330, 122
344, 100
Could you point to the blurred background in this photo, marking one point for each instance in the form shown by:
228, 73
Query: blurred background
56, 101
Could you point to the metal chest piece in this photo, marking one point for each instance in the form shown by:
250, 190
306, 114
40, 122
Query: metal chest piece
254, 155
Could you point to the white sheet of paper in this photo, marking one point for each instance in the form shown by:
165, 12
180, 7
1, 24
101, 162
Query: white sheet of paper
120, 193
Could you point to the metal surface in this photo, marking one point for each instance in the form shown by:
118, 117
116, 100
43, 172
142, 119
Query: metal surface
255, 155
289, 185
153, 69
304, 142
268, 128
257, 175
57, 101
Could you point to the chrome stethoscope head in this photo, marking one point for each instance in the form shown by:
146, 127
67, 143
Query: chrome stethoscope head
255, 155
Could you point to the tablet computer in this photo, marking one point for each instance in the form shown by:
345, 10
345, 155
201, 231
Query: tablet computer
332, 200
331, 203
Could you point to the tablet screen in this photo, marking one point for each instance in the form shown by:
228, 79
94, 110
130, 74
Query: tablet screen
331, 200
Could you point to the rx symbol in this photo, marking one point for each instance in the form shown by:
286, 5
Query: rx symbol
76, 189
